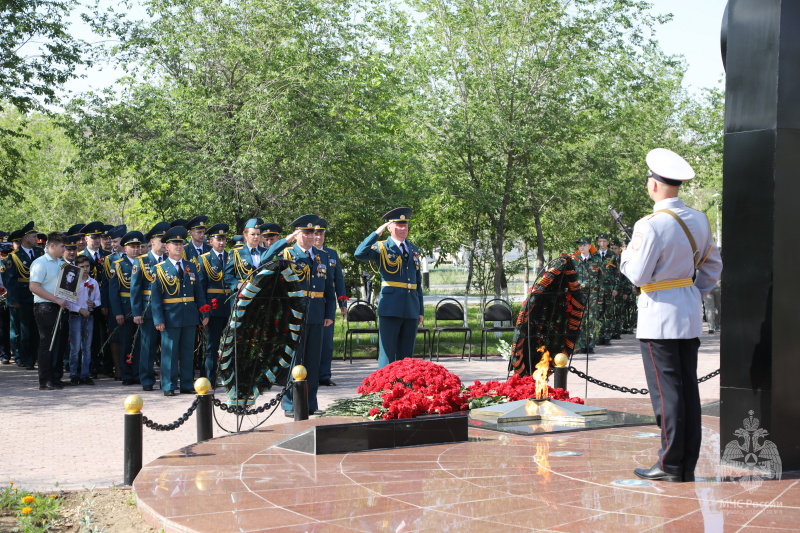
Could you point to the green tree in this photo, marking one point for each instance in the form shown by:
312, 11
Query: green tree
517, 90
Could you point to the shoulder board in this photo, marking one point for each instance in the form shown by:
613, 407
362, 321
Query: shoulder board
15, 251
205, 254
143, 256
118, 260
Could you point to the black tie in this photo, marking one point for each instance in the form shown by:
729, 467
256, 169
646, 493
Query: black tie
403, 249
222, 259
179, 269
199, 251
97, 257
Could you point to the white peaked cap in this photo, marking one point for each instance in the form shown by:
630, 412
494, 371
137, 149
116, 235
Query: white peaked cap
670, 165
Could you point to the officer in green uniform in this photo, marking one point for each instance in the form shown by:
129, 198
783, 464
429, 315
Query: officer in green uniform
311, 267
116, 233
5, 271
244, 260
270, 233
335, 272
176, 298
197, 246
211, 270
609, 276
587, 266
20, 298
238, 241
400, 306
141, 281
119, 295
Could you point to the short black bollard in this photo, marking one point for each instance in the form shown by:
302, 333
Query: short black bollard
300, 393
205, 403
133, 438
560, 377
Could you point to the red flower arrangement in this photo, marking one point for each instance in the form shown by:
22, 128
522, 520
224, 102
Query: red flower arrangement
205, 309
412, 387
343, 299
214, 303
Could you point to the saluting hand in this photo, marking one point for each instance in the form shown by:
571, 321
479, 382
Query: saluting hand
293, 237
381, 229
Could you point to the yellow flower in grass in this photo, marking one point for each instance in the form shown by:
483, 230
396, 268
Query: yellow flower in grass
53, 496
27, 510
28, 499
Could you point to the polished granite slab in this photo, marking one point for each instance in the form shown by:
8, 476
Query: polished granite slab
568, 481
378, 435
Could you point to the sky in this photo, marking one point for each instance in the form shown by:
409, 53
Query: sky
693, 33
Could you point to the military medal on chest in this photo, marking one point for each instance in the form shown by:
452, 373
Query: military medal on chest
321, 269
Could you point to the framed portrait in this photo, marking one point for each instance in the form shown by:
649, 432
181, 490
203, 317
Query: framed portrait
69, 279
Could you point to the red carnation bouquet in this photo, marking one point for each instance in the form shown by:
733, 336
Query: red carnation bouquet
412, 387
205, 309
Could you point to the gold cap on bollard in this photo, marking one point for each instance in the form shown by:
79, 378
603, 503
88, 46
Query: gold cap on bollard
202, 386
299, 373
561, 360
133, 404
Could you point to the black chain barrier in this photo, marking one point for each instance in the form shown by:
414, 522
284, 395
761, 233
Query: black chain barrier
243, 410
175, 425
628, 390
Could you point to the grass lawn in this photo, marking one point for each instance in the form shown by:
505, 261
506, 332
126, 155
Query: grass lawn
366, 346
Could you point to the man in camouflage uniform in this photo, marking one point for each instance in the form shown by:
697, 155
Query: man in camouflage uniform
620, 299
629, 303
587, 267
609, 273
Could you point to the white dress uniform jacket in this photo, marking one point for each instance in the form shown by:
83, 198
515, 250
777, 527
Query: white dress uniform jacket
660, 251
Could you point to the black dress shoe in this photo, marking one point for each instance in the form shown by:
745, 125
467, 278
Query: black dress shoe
288, 414
127, 382
87, 381
318, 413
29, 367
600, 342
654, 473
147, 388
47, 386
688, 477
57, 383
6, 361
616, 337
188, 391
169, 393
327, 383
75, 381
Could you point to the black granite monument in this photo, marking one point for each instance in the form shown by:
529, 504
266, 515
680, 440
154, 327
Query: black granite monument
760, 345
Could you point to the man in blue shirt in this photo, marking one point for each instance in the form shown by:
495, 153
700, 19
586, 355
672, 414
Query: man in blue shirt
46, 306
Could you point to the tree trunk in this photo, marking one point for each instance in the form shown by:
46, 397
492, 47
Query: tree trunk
471, 268
537, 220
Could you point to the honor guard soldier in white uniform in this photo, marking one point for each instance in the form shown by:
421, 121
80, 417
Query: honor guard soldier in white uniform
673, 259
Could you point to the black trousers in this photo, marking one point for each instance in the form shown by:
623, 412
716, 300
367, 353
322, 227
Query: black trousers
670, 366
46, 315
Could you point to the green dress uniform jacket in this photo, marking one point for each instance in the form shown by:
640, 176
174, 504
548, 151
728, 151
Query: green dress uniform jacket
240, 267
401, 281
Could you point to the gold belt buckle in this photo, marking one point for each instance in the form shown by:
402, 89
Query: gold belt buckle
409, 285
183, 298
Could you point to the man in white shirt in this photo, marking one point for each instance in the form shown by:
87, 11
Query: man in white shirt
46, 306
673, 259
